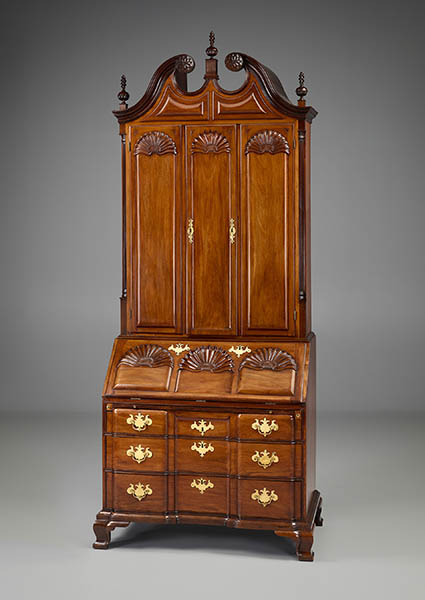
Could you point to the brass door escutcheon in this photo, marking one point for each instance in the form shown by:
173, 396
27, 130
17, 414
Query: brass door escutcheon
264, 497
202, 448
201, 484
139, 491
202, 426
232, 231
139, 454
178, 348
139, 422
190, 231
264, 459
264, 427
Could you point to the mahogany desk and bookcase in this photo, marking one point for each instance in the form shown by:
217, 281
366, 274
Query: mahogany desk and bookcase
209, 398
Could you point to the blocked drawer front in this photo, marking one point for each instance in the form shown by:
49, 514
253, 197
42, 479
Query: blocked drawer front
137, 421
202, 456
139, 453
265, 459
270, 427
202, 425
269, 499
202, 494
135, 492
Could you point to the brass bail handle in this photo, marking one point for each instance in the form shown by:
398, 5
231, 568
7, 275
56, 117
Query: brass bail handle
190, 231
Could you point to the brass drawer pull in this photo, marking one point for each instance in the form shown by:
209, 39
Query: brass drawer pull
232, 231
178, 348
264, 427
139, 454
190, 231
202, 448
139, 422
202, 426
264, 459
139, 491
264, 497
201, 484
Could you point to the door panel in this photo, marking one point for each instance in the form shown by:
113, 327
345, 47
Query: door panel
267, 208
211, 255
155, 174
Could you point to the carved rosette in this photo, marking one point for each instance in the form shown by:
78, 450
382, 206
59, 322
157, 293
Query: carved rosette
234, 61
147, 355
273, 359
185, 63
267, 141
210, 141
155, 142
207, 358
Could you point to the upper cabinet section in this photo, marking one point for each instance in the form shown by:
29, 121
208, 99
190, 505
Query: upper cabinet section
216, 208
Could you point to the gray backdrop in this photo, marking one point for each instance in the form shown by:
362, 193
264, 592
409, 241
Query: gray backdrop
363, 62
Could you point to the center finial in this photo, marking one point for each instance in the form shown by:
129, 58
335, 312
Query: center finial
212, 50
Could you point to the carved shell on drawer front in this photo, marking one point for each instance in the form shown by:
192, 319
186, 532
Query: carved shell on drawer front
207, 358
267, 141
273, 359
210, 141
155, 142
147, 355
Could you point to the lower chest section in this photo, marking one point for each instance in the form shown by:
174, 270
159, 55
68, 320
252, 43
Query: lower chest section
229, 465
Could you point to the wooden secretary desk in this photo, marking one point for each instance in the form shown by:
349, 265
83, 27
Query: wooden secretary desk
209, 398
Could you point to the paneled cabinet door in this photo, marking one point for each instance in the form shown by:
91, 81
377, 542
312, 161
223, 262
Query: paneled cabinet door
211, 230
267, 229
154, 229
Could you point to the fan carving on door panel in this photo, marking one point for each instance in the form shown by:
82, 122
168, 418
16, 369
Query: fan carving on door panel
155, 142
267, 141
210, 141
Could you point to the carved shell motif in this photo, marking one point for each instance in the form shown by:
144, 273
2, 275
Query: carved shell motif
273, 359
147, 355
210, 141
267, 141
155, 142
207, 358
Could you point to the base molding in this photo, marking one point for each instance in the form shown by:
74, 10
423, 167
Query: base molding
300, 531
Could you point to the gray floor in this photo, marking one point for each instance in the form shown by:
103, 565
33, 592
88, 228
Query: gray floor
370, 472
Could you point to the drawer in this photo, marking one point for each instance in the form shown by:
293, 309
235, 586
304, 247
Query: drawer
138, 454
269, 499
202, 425
202, 494
140, 493
265, 426
138, 421
264, 459
202, 456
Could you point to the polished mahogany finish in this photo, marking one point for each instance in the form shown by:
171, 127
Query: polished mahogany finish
209, 398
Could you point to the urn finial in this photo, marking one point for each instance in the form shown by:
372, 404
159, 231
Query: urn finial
123, 95
212, 50
301, 90
211, 62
